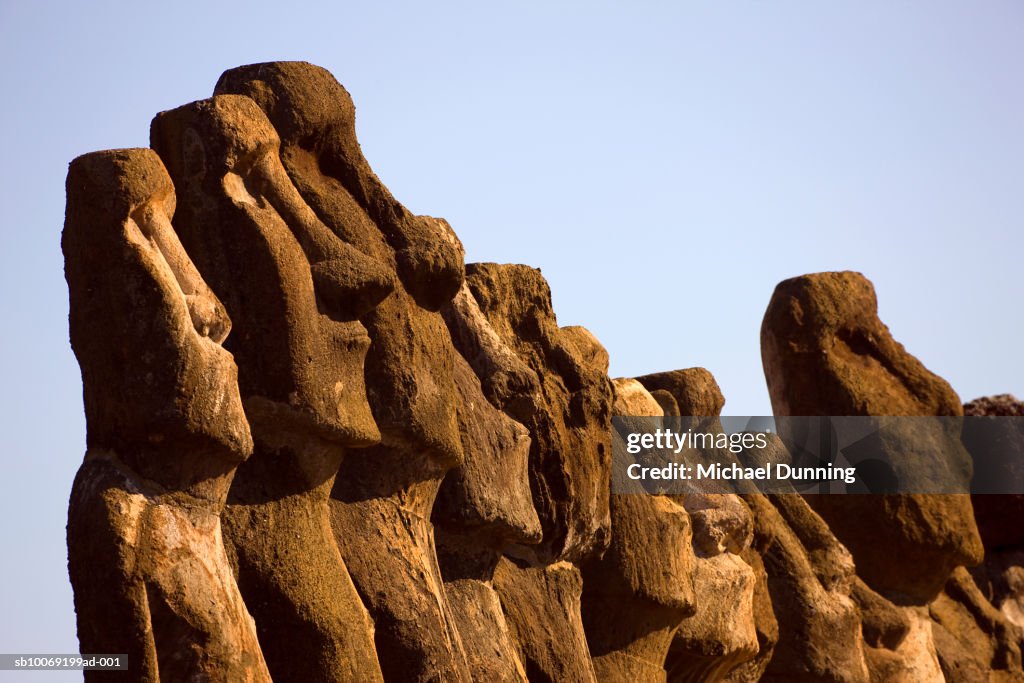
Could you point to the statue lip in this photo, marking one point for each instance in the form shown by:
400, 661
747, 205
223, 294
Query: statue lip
358, 336
348, 332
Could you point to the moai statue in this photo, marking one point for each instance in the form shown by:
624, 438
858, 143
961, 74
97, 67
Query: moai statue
721, 633
475, 504
484, 506
382, 501
642, 589
810, 578
831, 624
978, 619
825, 352
165, 433
294, 292
553, 381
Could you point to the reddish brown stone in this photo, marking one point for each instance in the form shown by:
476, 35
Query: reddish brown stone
166, 432
278, 270
638, 593
381, 505
825, 352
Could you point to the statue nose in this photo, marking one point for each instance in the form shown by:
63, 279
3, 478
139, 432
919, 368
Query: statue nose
348, 283
209, 317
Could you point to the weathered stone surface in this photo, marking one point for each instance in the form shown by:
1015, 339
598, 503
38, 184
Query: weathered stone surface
882, 623
937, 533
492, 652
482, 507
830, 560
1001, 581
666, 401
825, 349
585, 346
381, 505
467, 564
766, 626
165, 433
825, 352
554, 381
1010, 593
406, 475
568, 419
488, 496
721, 634
486, 504
998, 603
507, 380
694, 389
638, 593
1000, 405
971, 636
300, 375
315, 117
721, 523
635, 597
542, 604
913, 658
819, 625
997, 448
633, 400
897, 641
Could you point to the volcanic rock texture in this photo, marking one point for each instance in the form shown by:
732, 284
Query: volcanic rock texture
321, 447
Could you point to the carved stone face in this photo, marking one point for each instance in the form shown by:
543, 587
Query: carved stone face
293, 288
651, 553
826, 352
723, 626
488, 497
636, 595
554, 381
145, 327
315, 116
409, 365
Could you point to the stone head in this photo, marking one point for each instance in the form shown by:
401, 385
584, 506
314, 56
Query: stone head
293, 288
410, 363
146, 328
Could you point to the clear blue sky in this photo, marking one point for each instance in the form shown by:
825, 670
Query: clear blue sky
665, 164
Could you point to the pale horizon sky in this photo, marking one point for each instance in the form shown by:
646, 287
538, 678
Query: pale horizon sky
664, 164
